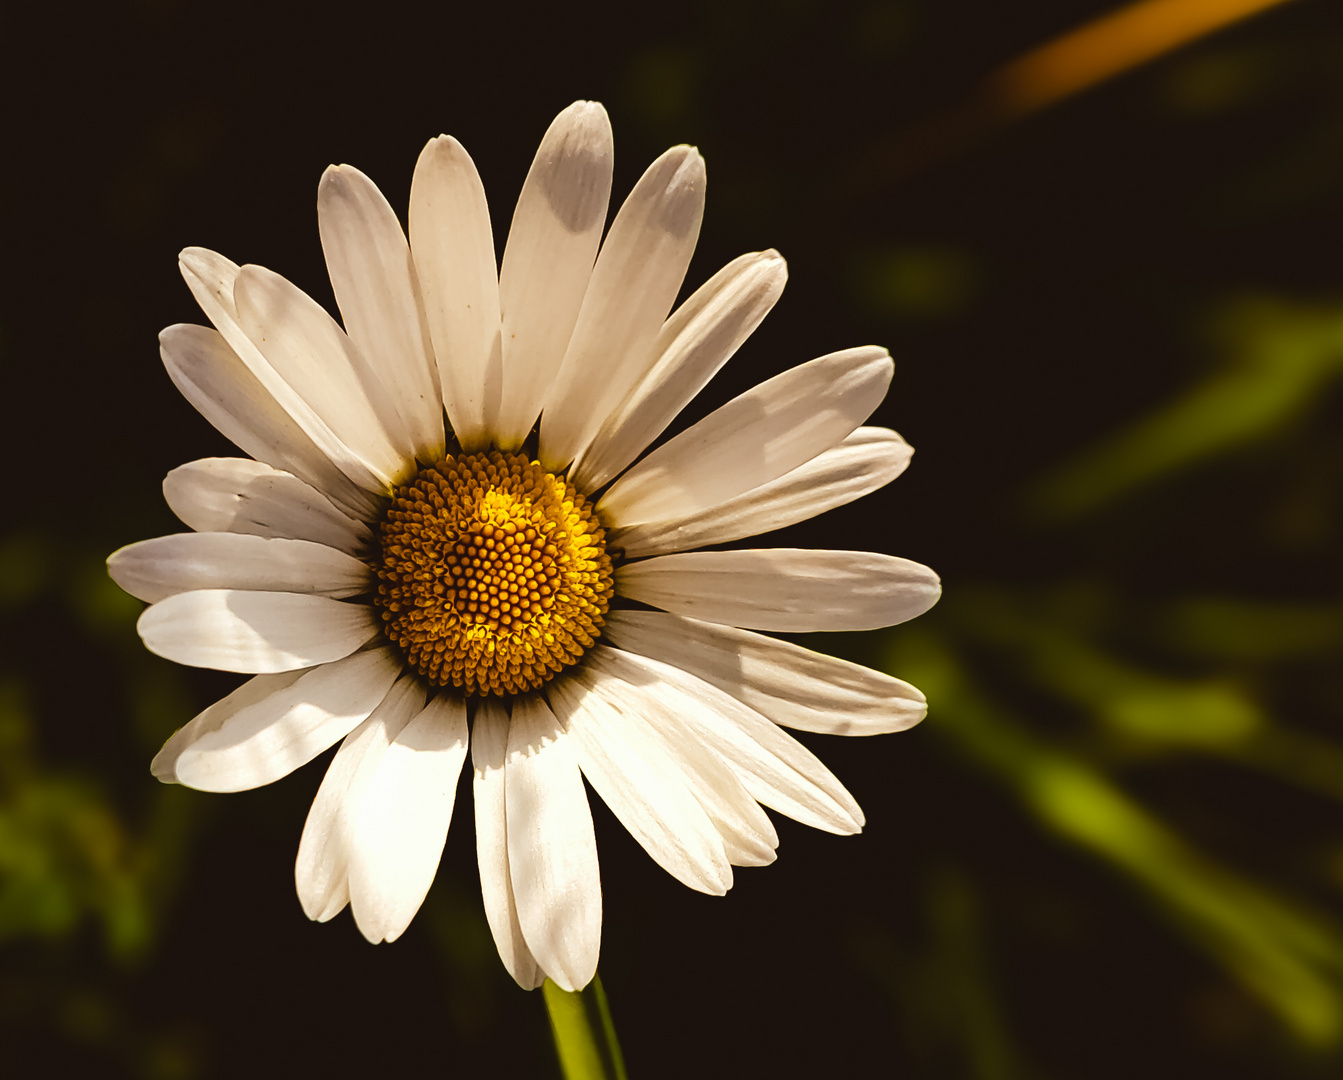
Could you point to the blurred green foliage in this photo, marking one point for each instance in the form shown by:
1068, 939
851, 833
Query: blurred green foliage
1274, 360
71, 863
1189, 688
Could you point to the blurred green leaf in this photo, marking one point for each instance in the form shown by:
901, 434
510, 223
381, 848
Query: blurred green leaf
1288, 957
1227, 628
1276, 357
924, 282
1207, 712
1212, 81
946, 993
25, 561
65, 854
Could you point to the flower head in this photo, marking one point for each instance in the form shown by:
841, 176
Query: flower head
448, 538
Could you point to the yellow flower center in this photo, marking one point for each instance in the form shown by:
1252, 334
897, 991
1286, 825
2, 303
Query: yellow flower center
493, 574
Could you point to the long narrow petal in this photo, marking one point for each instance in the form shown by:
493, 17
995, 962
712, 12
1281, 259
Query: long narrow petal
213, 282
748, 835
868, 459
223, 389
552, 851
239, 495
773, 766
403, 818
272, 724
627, 766
753, 439
634, 283
489, 750
784, 589
548, 260
261, 698
155, 569
374, 281
255, 632
791, 685
322, 869
316, 358
699, 338
453, 250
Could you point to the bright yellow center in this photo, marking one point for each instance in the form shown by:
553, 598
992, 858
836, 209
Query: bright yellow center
493, 574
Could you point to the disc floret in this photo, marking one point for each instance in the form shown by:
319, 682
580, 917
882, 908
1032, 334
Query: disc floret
493, 574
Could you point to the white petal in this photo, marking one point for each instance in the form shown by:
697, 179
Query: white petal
773, 766
784, 589
699, 338
453, 249
634, 283
552, 851
627, 766
320, 364
403, 818
322, 869
375, 286
868, 459
211, 376
260, 698
255, 632
272, 724
753, 439
155, 569
213, 280
489, 749
243, 496
791, 685
748, 835
548, 260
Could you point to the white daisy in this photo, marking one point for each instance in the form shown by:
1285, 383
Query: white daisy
517, 579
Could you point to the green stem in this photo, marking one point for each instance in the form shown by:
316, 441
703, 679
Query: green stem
585, 1037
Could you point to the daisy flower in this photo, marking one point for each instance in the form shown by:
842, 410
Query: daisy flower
448, 540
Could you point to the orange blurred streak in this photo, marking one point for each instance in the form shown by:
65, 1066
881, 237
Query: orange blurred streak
1108, 46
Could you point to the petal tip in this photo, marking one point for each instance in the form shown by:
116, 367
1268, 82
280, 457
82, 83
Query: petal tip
164, 767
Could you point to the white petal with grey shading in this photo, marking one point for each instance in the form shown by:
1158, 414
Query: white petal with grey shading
321, 871
791, 685
403, 819
547, 264
373, 278
552, 851
223, 389
747, 834
255, 632
489, 750
699, 338
865, 461
634, 283
272, 724
155, 569
213, 282
753, 439
317, 360
243, 496
627, 766
773, 766
784, 589
252, 693
453, 251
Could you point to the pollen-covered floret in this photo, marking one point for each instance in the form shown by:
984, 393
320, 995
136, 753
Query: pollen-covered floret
493, 574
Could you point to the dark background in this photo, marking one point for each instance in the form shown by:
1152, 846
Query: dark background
1115, 848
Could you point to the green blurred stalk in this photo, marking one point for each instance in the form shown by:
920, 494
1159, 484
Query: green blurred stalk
585, 1037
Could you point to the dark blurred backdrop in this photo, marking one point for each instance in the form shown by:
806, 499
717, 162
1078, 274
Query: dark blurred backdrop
1115, 847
